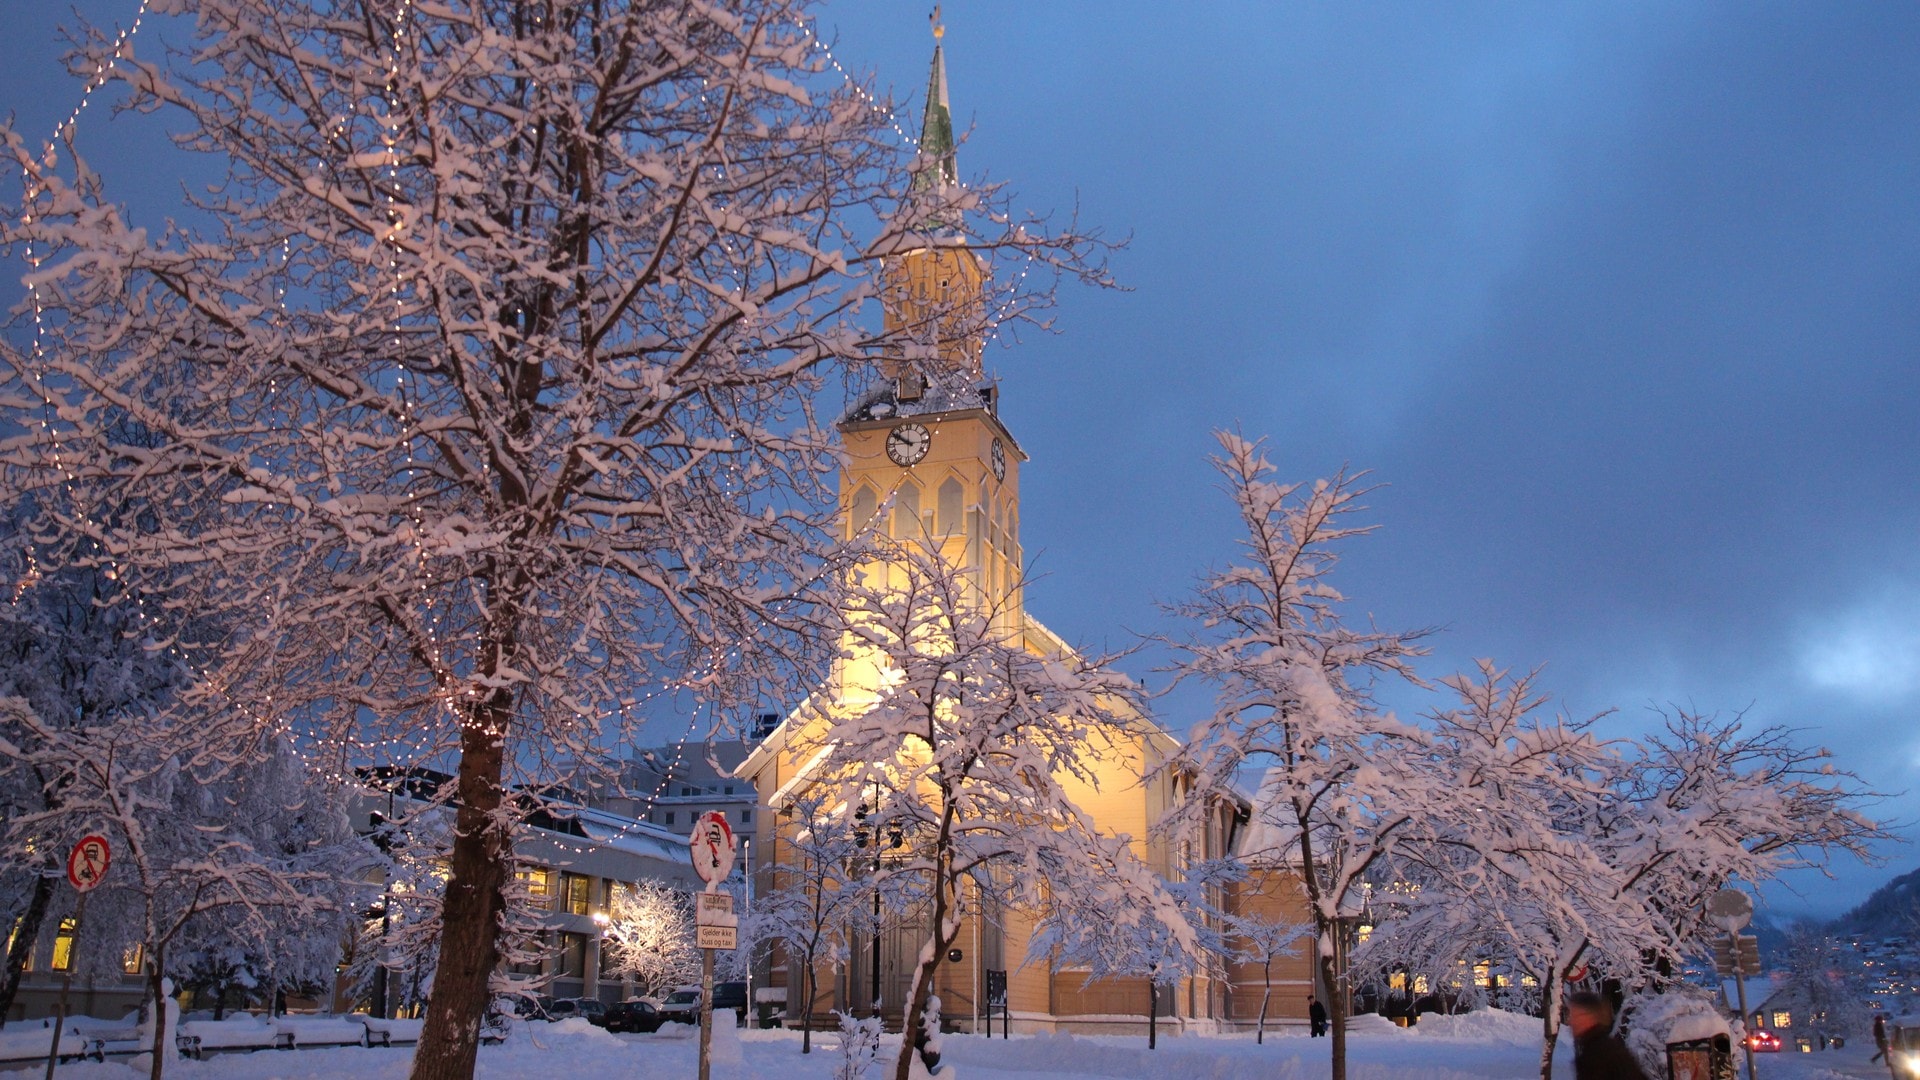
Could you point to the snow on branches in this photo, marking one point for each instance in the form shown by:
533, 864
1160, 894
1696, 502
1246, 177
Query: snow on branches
474, 407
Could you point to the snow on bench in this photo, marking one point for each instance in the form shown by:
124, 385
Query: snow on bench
237, 1032
322, 1030
388, 1032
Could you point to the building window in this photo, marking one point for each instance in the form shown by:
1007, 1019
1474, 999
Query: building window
746, 817
949, 504
573, 894
573, 957
669, 817
729, 789
865, 505
906, 511
1782, 1018
133, 959
63, 947
538, 881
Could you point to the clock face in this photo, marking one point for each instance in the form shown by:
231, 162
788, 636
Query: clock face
999, 457
908, 443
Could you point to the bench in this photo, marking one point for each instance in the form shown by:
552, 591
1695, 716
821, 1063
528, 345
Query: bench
382, 1032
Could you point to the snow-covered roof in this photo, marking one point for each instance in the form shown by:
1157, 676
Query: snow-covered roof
1268, 837
941, 395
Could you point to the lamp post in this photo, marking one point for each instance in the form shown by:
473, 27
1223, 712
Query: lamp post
601, 920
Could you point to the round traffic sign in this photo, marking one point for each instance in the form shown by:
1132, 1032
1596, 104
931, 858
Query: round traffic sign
711, 846
87, 862
1730, 909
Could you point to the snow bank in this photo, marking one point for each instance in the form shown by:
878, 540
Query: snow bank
1481, 1025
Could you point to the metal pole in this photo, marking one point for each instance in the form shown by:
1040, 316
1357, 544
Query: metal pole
706, 1014
746, 877
66, 984
876, 922
1740, 985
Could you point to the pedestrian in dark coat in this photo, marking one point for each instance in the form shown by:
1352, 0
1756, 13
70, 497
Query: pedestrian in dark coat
1316, 1017
1880, 1036
1598, 1054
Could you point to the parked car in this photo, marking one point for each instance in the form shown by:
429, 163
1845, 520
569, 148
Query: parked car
634, 1015
524, 1006
1764, 1041
593, 1009
683, 1005
731, 997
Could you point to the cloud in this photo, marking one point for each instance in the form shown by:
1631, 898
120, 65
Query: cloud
1869, 650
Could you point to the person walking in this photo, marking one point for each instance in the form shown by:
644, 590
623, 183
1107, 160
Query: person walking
1598, 1054
1880, 1036
1316, 1017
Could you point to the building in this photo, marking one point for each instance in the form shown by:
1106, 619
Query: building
671, 786
929, 448
569, 859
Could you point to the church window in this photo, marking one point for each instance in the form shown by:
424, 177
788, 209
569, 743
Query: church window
906, 511
865, 505
952, 495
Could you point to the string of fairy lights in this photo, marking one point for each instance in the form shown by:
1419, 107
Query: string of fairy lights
393, 237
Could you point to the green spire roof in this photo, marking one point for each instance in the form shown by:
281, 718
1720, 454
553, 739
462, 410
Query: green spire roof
936, 129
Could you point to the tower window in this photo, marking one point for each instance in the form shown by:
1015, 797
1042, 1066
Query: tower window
906, 511
952, 495
865, 505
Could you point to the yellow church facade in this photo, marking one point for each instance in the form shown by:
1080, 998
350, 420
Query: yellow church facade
929, 462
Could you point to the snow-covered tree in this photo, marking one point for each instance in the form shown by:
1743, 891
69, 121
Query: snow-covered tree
1338, 782
818, 896
962, 757
1256, 938
491, 373
1822, 980
650, 936
73, 651
1502, 870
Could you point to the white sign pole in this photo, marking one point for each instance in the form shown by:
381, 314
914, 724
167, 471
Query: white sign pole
712, 849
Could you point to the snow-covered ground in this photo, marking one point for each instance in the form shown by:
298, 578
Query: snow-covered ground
1485, 1046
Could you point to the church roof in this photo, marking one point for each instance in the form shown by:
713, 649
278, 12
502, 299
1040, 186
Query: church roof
936, 126
939, 396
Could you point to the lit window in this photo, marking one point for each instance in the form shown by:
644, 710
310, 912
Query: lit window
133, 959
573, 894
1420, 985
538, 880
1782, 1018
63, 947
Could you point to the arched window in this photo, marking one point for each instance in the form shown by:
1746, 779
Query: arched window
952, 496
860, 514
906, 511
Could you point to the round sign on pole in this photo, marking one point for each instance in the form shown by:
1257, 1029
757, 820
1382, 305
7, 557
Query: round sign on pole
711, 846
1730, 910
87, 862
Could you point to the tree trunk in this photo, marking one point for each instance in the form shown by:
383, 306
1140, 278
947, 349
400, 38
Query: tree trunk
806, 1007
1260, 1032
939, 940
479, 868
1153, 1013
1549, 1022
157, 987
1337, 1005
24, 935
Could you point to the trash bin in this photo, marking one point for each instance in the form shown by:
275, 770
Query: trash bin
1700, 1059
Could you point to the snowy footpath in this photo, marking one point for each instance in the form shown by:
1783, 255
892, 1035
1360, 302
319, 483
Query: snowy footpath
1481, 1046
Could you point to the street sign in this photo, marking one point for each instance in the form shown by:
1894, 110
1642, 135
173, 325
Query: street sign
716, 937
713, 909
87, 863
1737, 955
1730, 910
711, 846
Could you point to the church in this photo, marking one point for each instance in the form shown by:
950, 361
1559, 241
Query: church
929, 461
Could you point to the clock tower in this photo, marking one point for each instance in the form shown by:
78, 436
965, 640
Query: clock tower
928, 460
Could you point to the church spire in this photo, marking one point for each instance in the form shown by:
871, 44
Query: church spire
936, 128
